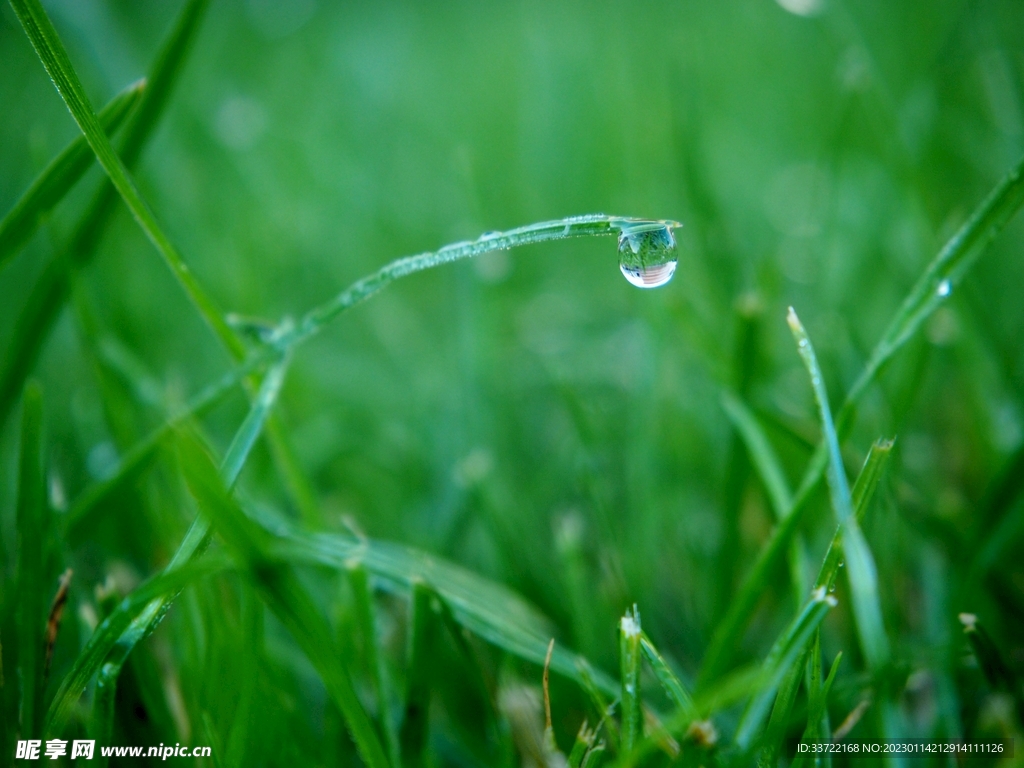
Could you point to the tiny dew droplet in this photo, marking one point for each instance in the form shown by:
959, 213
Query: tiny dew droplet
944, 288
647, 253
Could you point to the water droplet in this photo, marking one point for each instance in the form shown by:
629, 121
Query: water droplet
647, 254
944, 289
842, 563
832, 587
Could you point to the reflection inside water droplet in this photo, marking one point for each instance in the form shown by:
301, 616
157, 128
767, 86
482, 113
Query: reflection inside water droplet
944, 288
647, 254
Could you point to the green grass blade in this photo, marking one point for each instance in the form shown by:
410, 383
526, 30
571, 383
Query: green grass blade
952, 262
863, 492
863, 576
419, 656
51, 290
54, 57
283, 593
57, 179
33, 600
789, 647
674, 688
631, 705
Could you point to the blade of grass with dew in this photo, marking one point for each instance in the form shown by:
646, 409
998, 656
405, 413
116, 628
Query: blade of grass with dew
52, 54
412, 737
366, 617
144, 619
674, 688
32, 523
784, 653
58, 178
778, 723
952, 262
769, 469
863, 491
282, 592
631, 705
49, 293
861, 572
574, 226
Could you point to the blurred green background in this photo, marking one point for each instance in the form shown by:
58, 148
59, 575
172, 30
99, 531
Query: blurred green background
530, 415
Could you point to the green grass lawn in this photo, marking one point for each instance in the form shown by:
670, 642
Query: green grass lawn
257, 498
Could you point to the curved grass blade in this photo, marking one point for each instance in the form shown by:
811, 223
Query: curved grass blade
861, 570
574, 226
137, 620
282, 592
954, 260
57, 179
54, 57
51, 290
32, 601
